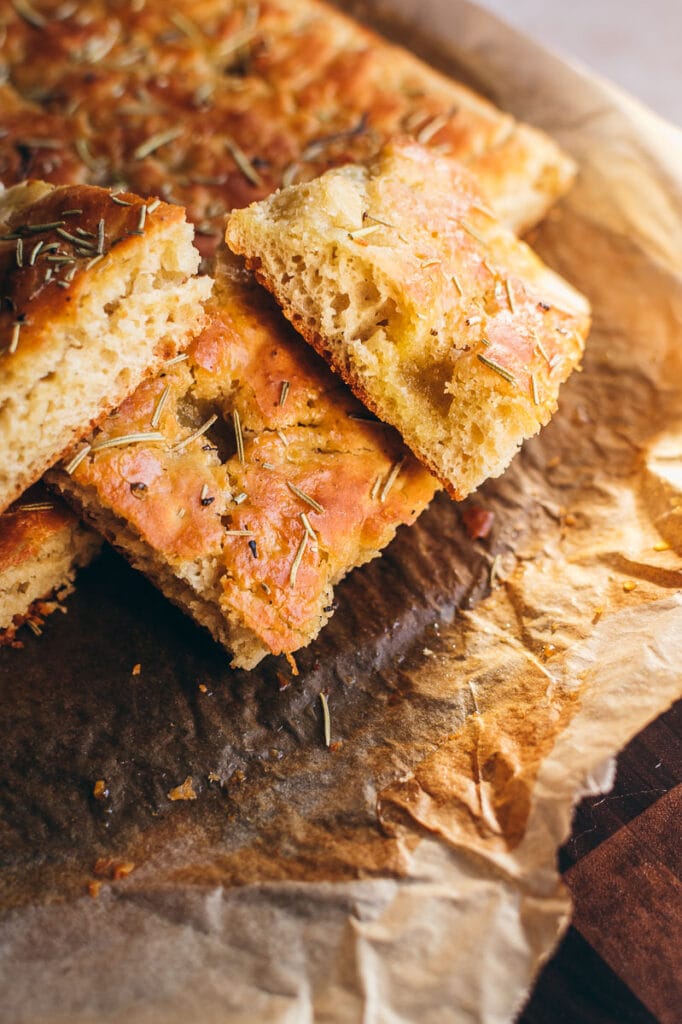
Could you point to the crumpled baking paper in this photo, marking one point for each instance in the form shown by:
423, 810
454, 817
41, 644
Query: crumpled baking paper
476, 688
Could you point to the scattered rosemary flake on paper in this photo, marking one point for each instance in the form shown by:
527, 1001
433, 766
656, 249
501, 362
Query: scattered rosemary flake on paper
326, 718
284, 392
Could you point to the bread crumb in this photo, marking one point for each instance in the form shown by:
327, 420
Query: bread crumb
185, 791
122, 869
99, 790
478, 521
94, 889
292, 663
136, 669
629, 586
662, 545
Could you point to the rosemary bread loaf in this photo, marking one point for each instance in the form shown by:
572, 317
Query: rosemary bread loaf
262, 481
218, 104
96, 291
42, 544
440, 319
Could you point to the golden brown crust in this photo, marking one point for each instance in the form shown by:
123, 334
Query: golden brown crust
28, 524
36, 262
440, 319
247, 97
36, 144
301, 437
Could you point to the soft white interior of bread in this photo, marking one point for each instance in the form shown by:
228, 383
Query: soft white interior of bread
37, 578
137, 311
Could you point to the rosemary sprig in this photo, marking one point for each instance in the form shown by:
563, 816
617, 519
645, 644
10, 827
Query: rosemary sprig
158, 409
293, 573
75, 462
26, 11
14, 339
197, 433
305, 497
239, 437
307, 527
390, 480
369, 229
432, 128
243, 163
155, 142
492, 365
137, 437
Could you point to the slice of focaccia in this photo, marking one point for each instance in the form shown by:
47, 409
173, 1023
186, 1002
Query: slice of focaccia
267, 483
219, 103
440, 319
96, 291
42, 544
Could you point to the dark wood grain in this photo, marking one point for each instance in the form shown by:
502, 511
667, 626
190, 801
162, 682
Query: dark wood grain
621, 960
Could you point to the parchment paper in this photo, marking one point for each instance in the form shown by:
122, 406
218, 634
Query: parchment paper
409, 873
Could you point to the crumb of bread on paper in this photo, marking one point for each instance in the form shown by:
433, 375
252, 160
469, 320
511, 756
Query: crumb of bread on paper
258, 95
185, 791
42, 545
269, 483
96, 291
443, 323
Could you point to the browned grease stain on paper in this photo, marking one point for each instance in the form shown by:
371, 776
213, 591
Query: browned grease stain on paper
475, 790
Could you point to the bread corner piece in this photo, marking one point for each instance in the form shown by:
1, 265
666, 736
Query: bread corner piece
443, 323
96, 291
267, 484
42, 544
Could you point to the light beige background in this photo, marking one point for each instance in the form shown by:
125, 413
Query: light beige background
636, 43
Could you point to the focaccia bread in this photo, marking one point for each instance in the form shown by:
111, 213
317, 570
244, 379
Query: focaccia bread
96, 291
440, 319
36, 144
213, 104
42, 544
267, 485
